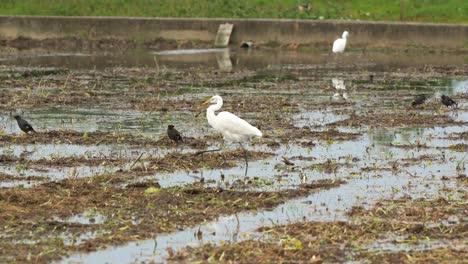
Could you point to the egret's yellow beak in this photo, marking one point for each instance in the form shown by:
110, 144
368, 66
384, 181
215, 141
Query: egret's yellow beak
207, 102
200, 110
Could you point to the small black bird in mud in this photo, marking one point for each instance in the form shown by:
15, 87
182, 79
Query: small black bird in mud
447, 101
419, 101
173, 134
24, 125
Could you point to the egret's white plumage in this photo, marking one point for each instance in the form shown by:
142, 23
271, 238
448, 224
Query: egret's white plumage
232, 127
339, 45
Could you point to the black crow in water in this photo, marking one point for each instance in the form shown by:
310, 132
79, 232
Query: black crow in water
173, 134
447, 101
419, 101
24, 125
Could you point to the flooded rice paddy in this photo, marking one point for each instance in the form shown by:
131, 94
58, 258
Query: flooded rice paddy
347, 169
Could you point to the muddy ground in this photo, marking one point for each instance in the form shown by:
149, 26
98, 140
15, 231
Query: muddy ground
353, 174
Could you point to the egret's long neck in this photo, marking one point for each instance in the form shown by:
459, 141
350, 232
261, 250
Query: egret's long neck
210, 112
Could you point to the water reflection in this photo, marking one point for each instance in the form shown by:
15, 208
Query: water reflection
340, 88
338, 84
189, 51
224, 60
243, 59
98, 118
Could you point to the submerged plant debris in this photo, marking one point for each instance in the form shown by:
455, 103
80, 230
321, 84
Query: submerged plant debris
132, 212
353, 174
425, 230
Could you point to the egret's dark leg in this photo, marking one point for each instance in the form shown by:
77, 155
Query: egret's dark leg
205, 151
245, 157
210, 150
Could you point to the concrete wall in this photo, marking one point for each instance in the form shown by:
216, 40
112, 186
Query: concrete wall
362, 34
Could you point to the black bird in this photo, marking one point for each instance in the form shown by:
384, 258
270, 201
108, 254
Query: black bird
24, 125
447, 101
419, 101
173, 134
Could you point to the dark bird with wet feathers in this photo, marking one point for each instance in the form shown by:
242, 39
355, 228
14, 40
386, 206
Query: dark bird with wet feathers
447, 101
173, 134
24, 125
419, 101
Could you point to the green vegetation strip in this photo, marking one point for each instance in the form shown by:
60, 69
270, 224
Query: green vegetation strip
452, 11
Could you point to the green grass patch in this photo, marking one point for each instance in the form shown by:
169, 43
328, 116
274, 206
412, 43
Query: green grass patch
448, 11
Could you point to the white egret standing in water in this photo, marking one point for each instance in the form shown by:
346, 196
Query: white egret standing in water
339, 45
233, 128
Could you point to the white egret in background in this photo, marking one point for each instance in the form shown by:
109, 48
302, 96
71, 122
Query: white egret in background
233, 128
340, 44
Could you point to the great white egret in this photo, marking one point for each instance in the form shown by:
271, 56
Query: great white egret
339, 45
233, 128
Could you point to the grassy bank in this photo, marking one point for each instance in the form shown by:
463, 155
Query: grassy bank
439, 11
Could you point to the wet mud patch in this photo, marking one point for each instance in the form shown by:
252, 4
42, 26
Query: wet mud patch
328, 166
96, 138
64, 162
8, 177
396, 119
460, 147
263, 103
33, 94
417, 160
194, 161
9, 181
161, 105
407, 222
331, 134
419, 211
462, 135
131, 212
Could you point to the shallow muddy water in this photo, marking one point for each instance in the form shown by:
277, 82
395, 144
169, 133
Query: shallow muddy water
323, 117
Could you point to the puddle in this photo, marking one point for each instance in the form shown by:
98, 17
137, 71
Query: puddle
429, 137
57, 173
97, 119
318, 118
19, 183
41, 151
85, 218
64, 237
